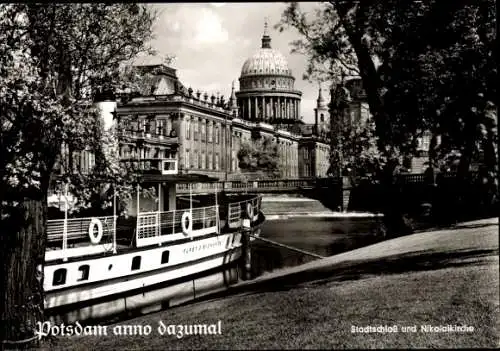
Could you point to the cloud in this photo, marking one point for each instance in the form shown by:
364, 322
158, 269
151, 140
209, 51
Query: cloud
212, 41
209, 29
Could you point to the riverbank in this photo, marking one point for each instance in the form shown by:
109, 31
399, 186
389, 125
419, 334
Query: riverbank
446, 279
287, 206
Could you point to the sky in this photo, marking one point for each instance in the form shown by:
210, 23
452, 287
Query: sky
211, 41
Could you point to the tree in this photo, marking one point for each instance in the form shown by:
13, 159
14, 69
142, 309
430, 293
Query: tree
425, 66
261, 155
413, 58
52, 57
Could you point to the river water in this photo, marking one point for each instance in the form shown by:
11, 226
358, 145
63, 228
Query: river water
325, 236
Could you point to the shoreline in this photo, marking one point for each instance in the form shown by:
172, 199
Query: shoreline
446, 277
345, 215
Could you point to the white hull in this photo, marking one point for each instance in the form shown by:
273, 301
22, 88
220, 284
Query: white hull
156, 299
173, 256
119, 289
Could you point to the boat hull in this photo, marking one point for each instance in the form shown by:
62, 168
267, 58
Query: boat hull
161, 267
190, 274
193, 282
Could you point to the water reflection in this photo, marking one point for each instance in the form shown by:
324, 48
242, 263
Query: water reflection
323, 236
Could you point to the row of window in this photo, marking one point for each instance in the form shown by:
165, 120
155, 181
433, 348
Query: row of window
59, 277
261, 83
207, 132
145, 152
153, 126
198, 160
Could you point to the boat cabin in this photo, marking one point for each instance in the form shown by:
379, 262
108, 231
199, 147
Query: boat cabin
155, 218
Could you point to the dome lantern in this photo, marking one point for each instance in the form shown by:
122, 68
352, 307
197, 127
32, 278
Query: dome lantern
266, 39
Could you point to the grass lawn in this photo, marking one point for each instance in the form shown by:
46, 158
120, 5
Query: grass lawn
448, 278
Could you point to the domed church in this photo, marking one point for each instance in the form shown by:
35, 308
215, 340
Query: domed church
267, 91
204, 131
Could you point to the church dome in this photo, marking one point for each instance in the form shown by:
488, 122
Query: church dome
266, 61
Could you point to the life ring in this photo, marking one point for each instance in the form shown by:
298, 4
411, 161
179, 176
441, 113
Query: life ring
95, 239
249, 210
187, 228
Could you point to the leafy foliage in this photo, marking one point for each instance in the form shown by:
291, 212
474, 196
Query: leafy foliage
425, 66
261, 155
54, 58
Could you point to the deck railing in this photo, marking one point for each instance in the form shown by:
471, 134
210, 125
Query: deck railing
72, 237
237, 211
155, 227
67, 235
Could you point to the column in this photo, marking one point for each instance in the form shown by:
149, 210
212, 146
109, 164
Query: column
272, 107
288, 108
275, 107
279, 107
284, 108
263, 108
256, 108
288, 114
249, 109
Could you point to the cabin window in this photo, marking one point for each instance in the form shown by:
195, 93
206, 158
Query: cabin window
165, 256
136, 263
59, 277
84, 272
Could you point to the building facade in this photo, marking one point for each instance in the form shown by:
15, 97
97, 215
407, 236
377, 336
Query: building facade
205, 132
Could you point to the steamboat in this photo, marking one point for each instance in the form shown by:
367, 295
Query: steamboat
165, 251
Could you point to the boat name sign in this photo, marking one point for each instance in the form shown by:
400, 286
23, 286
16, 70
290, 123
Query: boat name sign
201, 247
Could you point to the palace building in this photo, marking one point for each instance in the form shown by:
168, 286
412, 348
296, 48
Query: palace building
205, 132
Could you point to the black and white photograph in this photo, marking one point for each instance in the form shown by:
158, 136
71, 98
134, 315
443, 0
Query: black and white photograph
245, 176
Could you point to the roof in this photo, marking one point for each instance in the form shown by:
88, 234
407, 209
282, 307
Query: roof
266, 61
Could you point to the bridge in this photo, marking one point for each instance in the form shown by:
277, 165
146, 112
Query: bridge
284, 185
258, 186
333, 193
